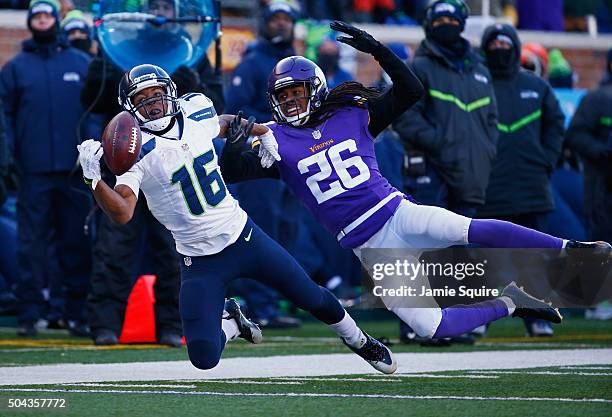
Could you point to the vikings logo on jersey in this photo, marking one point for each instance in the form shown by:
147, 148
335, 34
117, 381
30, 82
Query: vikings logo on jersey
333, 170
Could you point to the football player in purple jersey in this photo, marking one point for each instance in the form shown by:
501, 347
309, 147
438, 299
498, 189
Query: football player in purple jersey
321, 144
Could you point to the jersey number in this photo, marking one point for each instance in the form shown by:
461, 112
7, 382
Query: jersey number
211, 184
340, 166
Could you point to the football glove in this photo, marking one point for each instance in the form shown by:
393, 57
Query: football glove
238, 131
268, 150
90, 153
360, 40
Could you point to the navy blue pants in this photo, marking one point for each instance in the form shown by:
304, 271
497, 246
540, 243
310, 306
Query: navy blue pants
204, 282
51, 211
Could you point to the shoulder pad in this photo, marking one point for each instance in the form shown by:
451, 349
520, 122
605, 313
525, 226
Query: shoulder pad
191, 100
197, 107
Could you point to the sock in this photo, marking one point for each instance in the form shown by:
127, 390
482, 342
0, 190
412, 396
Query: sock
501, 234
230, 328
348, 330
461, 319
509, 304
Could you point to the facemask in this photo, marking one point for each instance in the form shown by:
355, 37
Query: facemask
82, 44
501, 59
446, 34
327, 62
46, 36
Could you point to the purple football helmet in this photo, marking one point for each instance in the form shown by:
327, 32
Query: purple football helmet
297, 70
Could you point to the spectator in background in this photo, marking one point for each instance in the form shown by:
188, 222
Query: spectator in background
8, 229
328, 58
545, 15
560, 74
40, 89
590, 136
268, 202
455, 123
451, 133
249, 81
77, 31
530, 136
4, 158
534, 58
567, 220
374, 11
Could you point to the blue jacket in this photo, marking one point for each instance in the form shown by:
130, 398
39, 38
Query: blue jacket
40, 89
249, 82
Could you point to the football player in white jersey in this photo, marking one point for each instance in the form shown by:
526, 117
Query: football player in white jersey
178, 173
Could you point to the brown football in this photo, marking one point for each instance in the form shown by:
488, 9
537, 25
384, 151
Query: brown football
121, 142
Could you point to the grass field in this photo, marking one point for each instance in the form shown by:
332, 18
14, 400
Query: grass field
497, 388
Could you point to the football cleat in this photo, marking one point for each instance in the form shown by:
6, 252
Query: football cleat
530, 307
248, 330
105, 338
539, 328
376, 354
602, 246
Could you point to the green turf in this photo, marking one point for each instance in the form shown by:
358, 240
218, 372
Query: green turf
512, 385
502, 335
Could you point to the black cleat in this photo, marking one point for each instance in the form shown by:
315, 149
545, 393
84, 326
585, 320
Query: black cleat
376, 354
530, 307
105, 338
170, 339
248, 330
599, 247
27, 330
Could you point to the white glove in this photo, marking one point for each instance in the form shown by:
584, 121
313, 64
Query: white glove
90, 153
268, 150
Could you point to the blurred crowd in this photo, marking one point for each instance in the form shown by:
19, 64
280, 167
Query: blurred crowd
545, 15
488, 140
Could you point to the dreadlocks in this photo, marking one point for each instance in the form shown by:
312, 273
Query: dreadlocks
349, 93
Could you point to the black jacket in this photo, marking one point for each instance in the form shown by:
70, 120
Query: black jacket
455, 123
530, 137
590, 135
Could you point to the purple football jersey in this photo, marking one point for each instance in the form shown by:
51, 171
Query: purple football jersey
333, 170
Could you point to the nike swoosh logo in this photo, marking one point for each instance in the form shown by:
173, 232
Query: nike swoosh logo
248, 237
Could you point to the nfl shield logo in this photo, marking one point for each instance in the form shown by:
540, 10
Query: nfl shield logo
316, 134
187, 260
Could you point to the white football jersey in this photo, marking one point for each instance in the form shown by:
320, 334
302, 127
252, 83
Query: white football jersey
179, 175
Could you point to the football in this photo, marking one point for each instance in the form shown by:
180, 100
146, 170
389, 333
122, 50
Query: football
121, 142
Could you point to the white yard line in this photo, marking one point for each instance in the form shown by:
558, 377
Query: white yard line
386, 378
542, 373
299, 365
315, 395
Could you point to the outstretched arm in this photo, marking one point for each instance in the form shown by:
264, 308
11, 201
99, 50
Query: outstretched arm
238, 162
406, 89
119, 203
